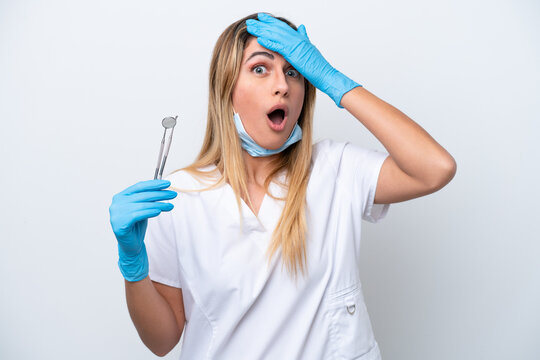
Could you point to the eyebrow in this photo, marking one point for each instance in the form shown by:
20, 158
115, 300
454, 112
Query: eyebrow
264, 53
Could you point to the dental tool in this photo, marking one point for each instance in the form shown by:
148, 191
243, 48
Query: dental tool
169, 124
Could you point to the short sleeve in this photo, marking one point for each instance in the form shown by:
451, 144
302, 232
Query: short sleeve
366, 166
160, 242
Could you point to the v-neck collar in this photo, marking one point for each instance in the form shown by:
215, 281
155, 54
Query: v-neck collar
270, 209
244, 204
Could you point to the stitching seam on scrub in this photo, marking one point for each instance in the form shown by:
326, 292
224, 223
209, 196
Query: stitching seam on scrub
338, 297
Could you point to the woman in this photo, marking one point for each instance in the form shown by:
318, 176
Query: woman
260, 194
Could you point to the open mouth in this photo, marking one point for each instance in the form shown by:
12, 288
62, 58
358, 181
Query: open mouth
277, 116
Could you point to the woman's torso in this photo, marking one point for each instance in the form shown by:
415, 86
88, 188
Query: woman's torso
238, 307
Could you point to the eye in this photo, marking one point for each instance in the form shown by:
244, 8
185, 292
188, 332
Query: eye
293, 73
259, 69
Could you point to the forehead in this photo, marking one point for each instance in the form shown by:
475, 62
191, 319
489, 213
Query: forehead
253, 45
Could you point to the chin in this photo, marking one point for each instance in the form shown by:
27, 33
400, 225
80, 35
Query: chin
273, 146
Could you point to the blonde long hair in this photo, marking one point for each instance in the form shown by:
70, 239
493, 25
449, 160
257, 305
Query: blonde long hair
222, 148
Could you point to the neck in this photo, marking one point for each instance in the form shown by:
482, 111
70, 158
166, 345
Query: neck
257, 168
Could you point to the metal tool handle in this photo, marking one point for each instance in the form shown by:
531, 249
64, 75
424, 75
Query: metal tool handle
159, 157
166, 154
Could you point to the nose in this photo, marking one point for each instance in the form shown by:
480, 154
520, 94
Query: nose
280, 84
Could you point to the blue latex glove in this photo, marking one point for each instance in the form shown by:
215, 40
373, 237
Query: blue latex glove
129, 211
296, 48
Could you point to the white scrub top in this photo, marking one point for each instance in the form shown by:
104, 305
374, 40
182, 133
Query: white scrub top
237, 307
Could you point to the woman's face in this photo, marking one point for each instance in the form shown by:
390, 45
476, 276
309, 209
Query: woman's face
267, 80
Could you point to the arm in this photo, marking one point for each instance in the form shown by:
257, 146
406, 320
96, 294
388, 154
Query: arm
152, 309
417, 164
157, 315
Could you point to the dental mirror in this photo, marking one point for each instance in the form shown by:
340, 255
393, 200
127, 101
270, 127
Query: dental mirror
168, 123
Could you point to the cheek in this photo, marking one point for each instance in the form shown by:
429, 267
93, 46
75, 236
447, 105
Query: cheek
299, 100
244, 94
299, 90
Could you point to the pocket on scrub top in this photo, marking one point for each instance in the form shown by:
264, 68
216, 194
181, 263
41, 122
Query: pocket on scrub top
350, 326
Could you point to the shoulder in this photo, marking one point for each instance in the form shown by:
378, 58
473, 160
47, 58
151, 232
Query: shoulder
327, 146
343, 150
345, 157
189, 180
328, 153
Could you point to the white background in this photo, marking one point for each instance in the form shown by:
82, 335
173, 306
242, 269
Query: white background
85, 84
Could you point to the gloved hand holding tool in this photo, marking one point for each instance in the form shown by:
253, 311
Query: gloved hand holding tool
296, 48
129, 212
131, 208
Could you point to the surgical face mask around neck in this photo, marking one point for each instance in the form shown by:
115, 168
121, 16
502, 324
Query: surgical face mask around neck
255, 149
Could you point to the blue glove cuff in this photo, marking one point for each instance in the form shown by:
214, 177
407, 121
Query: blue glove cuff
339, 86
134, 268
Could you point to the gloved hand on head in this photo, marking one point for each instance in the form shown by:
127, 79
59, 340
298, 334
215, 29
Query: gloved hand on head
296, 48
